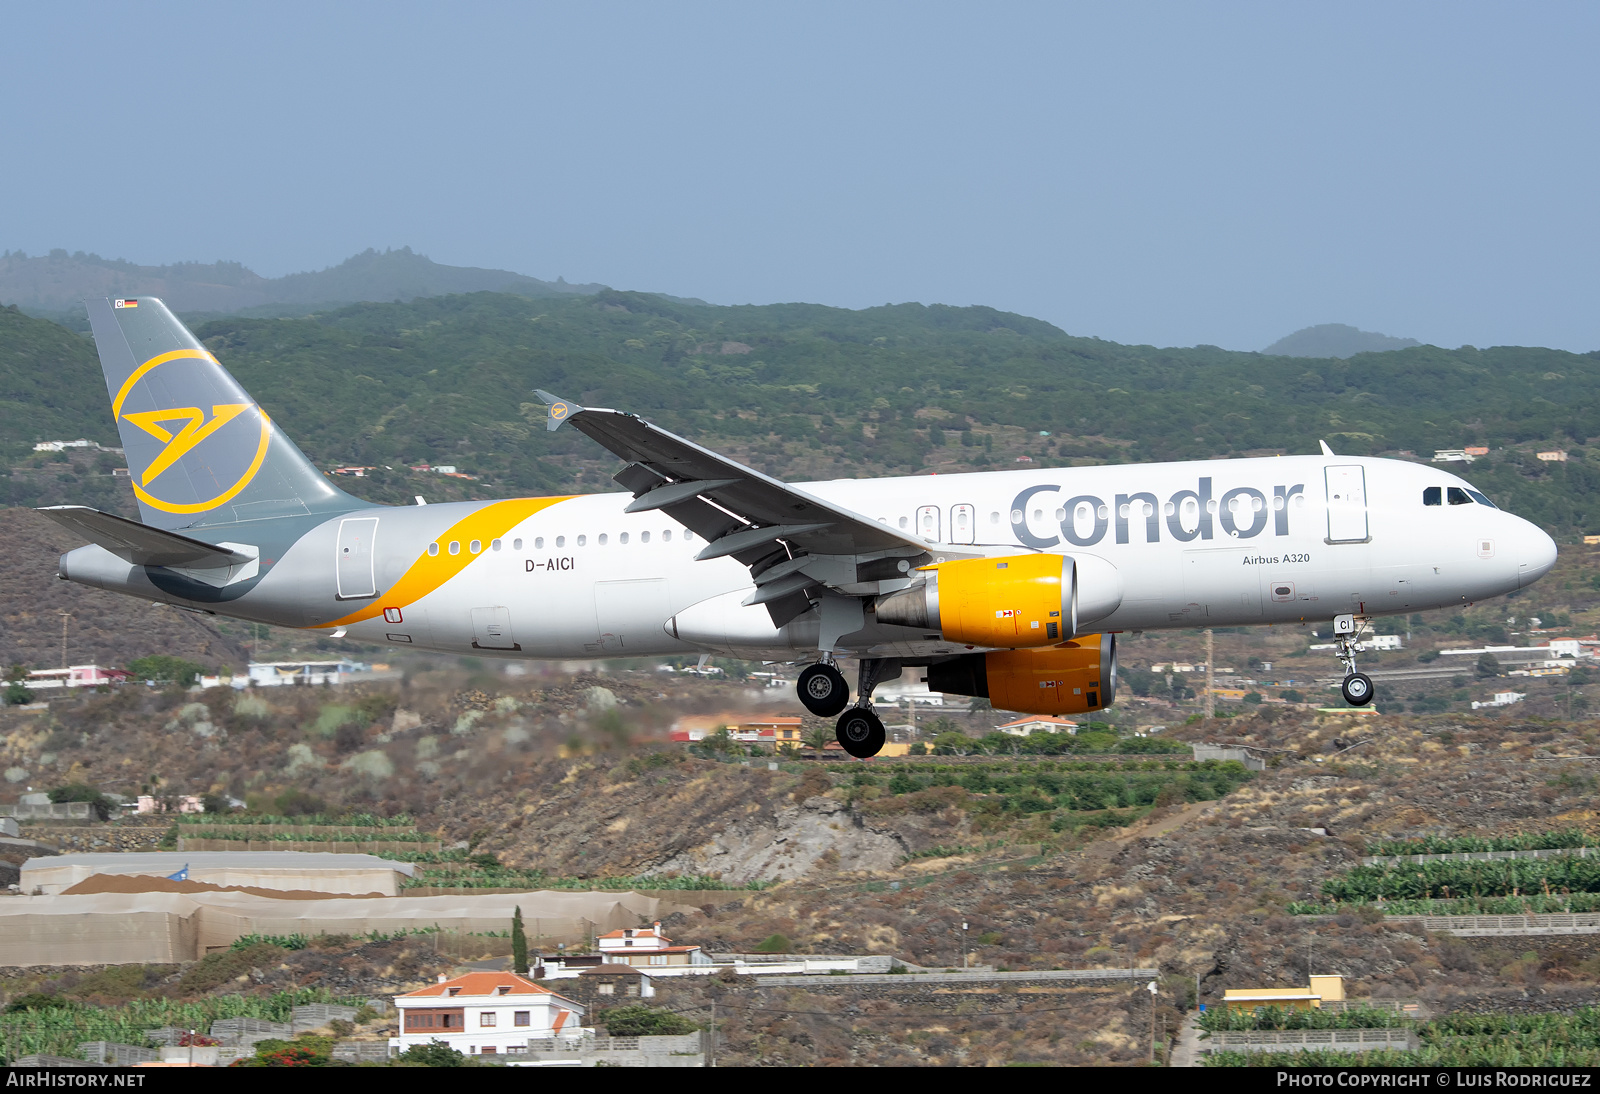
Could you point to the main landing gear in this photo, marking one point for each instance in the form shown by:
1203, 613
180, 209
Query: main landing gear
822, 689
1357, 686
860, 732
823, 692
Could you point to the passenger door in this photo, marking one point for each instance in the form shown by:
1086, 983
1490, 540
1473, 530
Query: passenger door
1347, 504
353, 566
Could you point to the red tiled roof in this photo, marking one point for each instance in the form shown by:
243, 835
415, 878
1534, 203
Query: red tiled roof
637, 932
481, 984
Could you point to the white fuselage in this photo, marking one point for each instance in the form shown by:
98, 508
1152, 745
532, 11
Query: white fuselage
1199, 544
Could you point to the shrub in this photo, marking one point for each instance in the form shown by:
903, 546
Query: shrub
774, 943
643, 1021
163, 668
433, 1054
82, 792
298, 803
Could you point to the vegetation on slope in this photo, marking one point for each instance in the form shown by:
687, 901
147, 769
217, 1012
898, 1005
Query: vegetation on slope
807, 391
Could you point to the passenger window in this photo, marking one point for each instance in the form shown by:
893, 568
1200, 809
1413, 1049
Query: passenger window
666, 537
994, 518
433, 548
1481, 499
623, 538
561, 541
516, 544
644, 537
475, 546
1432, 495
1458, 496
583, 541
687, 535
494, 545
538, 543
603, 539
455, 546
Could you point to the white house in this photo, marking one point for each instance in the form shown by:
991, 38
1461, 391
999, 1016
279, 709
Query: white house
267, 674
648, 946
485, 1013
1501, 699
77, 676
1022, 727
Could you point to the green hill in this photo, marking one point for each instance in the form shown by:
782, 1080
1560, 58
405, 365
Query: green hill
54, 285
1336, 340
805, 391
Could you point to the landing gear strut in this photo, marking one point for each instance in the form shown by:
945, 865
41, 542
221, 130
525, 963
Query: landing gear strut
823, 690
1357, 686
860, 732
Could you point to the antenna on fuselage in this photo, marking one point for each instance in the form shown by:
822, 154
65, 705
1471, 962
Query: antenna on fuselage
1326, 451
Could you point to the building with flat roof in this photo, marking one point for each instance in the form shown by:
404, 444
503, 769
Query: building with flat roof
312, 871
1322, 989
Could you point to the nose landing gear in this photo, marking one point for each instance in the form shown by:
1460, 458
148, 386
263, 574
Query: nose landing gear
1357, 686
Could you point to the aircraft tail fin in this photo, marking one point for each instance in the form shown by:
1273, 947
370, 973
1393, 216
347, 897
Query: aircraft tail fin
200, 450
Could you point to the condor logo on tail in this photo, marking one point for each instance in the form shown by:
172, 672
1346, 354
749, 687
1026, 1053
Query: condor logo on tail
230, 462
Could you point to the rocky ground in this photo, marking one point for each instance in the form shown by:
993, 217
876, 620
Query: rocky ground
571, 773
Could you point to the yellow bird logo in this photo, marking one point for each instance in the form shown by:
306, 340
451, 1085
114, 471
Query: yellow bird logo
180, 430
195, 429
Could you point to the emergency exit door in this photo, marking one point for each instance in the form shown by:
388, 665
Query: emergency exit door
963, 524
928, 523
1347, 504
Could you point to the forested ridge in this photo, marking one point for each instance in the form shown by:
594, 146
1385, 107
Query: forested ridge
807, 391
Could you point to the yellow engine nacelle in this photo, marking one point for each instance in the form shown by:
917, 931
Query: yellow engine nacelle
1072, 678
1016, 602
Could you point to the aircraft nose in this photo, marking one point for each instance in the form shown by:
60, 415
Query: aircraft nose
1536, 553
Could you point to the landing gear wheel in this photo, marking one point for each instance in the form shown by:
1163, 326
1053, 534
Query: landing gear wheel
823, 691
860, 732
1357, 688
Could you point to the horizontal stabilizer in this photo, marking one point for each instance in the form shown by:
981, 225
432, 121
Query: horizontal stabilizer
141, 544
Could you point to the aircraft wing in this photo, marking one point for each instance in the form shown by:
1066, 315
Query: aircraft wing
141, 544
792, 541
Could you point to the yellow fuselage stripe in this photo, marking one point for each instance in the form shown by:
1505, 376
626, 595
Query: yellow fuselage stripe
429, 572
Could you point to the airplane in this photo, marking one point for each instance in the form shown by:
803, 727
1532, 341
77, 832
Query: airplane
1008, 585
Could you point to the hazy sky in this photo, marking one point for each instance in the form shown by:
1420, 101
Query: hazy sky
1165, 173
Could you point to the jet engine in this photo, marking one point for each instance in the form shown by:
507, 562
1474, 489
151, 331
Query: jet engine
1071, 678
1016, 602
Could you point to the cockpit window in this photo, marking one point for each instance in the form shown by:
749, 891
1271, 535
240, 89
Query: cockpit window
1458, 496
1478, 497
1432, 495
